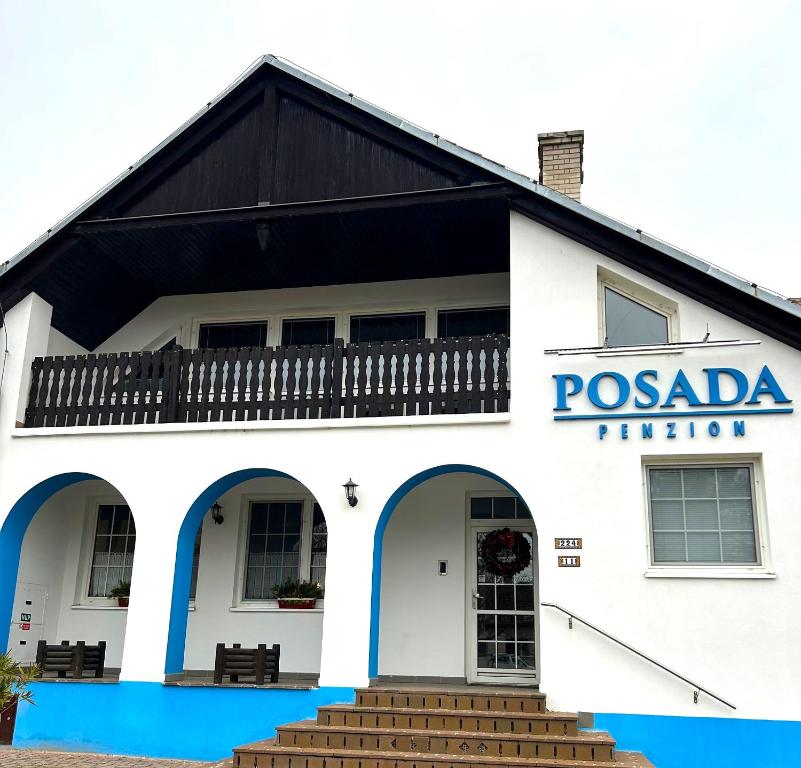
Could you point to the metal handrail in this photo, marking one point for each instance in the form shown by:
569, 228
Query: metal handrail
642, 655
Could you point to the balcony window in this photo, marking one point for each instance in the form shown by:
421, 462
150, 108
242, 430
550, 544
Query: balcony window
317, 330
237, 335
392, 327
473, 322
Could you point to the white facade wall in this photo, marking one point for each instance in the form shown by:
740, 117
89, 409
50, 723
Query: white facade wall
734, 635
423, 620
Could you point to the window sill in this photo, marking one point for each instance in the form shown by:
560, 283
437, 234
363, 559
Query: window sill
709, 572
81, 607
273, 608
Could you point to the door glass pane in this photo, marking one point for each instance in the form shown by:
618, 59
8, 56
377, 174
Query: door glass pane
505, 628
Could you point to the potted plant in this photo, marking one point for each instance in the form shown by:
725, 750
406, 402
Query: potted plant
297, 594
122, 592
14, 680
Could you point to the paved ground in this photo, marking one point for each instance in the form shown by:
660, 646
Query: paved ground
27, 758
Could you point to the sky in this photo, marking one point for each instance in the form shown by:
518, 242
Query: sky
691, 110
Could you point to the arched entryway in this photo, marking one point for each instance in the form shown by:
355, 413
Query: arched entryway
455, 580
66, 548
245, 533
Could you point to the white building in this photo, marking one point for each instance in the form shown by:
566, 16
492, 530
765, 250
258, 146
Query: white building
296, 289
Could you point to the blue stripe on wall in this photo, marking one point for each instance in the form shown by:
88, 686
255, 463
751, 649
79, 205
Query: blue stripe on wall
706, 742
155, 720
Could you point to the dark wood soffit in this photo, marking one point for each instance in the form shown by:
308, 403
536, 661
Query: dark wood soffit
706, 289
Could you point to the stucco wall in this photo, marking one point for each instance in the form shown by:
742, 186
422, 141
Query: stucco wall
424, 613
734, 635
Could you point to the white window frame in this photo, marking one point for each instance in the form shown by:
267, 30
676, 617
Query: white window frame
640, 295
82, 598
238, 319
761, 569
239, 602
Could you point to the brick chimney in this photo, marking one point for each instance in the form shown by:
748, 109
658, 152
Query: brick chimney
561, 157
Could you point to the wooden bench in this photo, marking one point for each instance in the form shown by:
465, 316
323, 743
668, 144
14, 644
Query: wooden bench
72, 659
235, 662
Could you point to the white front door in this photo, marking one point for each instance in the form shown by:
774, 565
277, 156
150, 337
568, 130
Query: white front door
502, 636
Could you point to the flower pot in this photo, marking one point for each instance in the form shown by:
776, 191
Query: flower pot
122, 602
8, 716
297, 602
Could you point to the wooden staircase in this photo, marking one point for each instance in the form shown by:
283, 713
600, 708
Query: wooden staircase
456, 727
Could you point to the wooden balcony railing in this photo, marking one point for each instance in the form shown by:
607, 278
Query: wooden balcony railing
396, 378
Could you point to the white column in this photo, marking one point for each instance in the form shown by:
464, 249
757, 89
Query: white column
348, 577
27, 332
147, 627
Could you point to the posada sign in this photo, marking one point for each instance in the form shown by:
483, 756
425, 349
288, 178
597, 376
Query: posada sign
674, 398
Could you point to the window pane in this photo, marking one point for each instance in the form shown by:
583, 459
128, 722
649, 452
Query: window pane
699, 484
734, 482
665, 483
388, 327
667, 515
736, 514
669, 548
703, 547
313, 331
294, 512
473, 322
701, 514
481, 508
319, 546
219, 335
739, 547
629, 323
112, 557
503, 507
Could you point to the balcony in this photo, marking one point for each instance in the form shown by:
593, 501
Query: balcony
420, 377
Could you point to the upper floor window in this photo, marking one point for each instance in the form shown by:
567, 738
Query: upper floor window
226, 335
629, 323
473, 322
316, 330
113, 552
390, 327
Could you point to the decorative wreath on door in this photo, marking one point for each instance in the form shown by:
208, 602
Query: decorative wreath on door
506, 552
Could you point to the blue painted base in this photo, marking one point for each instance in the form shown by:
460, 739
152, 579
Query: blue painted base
161, 720
708, 742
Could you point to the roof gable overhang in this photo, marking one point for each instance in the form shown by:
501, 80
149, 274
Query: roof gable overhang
286, 179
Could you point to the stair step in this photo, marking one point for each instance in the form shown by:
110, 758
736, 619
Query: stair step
266, 754
557, 723
493, 700
581, 746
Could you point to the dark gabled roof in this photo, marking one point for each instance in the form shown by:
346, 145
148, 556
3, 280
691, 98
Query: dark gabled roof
236, 174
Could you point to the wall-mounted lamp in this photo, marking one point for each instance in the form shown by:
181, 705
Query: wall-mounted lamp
350, 492
216, 513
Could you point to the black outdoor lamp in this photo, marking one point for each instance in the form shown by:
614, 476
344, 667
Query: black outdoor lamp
216, 513
350, 492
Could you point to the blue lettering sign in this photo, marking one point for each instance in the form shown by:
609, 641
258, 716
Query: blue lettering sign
713, 385
623, 389
562, 380
681, 388
766, 384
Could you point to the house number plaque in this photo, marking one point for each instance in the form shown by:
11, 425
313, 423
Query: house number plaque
567, 543
569, 561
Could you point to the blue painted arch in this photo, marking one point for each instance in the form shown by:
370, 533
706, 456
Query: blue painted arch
182, 578
12, 535
378, 540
